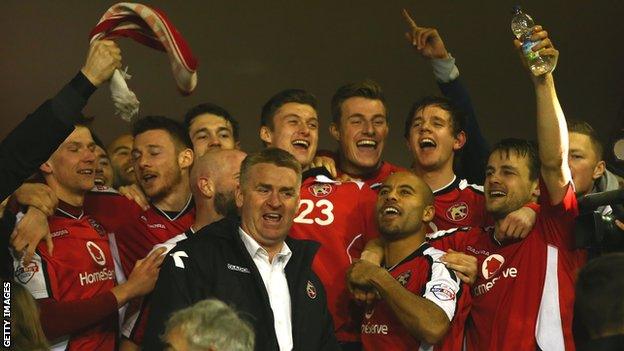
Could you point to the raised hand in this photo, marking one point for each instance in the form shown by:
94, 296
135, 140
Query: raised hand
103, 58
544, 47
427, 41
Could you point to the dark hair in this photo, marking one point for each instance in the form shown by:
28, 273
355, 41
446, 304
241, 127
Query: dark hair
175, 129
368, 89
272, 156
278, 100
597, 305
458, 120
522, 148
582, 127
97, 140
211, 109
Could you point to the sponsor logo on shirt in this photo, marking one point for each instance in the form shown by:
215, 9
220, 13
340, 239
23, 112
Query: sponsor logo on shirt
97, 226
236, 268
477, 251
369, 312
493, 267
87, 278
374, 329
156, 226
443, 292
457, 212
404, 277
320, 190
311, 290
59, 233
96, 253
24, 274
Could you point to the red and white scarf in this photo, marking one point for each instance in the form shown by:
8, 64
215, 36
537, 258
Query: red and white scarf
151, 27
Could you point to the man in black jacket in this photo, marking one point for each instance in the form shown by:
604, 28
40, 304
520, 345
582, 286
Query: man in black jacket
252, 265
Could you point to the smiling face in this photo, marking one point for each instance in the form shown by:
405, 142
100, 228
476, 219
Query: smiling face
156, 163
103, 168
361, 134
70, 171
432, 140
268, 199
508, 186
404, 205
295, 129
208, 131
119, 152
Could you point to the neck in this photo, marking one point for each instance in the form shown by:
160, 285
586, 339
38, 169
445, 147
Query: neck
351, 169
398, 250
177, 198
73, 198
437, 178
271, 248
205, 214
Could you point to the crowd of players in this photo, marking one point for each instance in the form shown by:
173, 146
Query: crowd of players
120, 246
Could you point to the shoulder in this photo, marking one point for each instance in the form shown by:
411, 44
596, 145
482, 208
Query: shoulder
464, 185
440, 234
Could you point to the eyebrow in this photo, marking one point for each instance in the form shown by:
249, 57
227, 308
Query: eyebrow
407, 186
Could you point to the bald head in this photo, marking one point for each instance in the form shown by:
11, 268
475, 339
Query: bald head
218, 165
404, 204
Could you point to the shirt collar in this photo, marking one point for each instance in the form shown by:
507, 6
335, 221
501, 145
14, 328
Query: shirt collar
254, 249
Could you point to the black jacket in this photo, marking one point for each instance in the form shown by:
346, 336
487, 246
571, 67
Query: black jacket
217, 265
33, 141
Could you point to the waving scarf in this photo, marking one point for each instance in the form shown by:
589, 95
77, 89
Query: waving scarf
151, 27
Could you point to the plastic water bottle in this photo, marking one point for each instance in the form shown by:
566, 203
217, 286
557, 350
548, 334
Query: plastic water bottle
522, 27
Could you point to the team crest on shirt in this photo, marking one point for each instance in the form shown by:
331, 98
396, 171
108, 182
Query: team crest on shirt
97, 226
443, 292
25, 274
457, 212
311, 290
404, 278
320, 189
491, 265
96, 253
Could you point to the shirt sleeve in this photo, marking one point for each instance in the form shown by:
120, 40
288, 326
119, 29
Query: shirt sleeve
558, 220
33, 140
443, 289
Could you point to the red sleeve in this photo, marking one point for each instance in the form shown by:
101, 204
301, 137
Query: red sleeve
451, 239
558, 220
109, 208
63, 318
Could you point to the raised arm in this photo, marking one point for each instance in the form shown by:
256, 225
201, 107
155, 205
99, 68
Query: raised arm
429, 44
552, 131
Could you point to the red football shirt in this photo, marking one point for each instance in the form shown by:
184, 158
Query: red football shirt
81, 267
524, 293
374, 180
423, 274
136, 231
341, 217
459, 204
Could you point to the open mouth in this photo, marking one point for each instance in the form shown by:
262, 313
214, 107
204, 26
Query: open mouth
366, 144
390, 211
85, 171
427, 144
272, 217
99, 181
497, 194
148, 178
301, 144
130, 169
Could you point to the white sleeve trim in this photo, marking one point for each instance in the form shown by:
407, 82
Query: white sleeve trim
443, 288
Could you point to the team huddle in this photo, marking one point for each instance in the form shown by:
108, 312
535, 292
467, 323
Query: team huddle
470, 248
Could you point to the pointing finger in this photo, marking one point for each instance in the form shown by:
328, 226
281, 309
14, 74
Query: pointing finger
409, 19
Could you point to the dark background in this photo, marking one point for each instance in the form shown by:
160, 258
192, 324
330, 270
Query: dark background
249, 50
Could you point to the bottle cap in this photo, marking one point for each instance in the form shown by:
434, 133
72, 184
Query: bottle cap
516, 9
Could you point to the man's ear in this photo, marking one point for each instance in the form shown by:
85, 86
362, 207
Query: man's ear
46, 167
536, 189
460, 141
334, 131
599, 170
266, 135
206, 186
237, 145
185, 158
428, 214
238, 194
